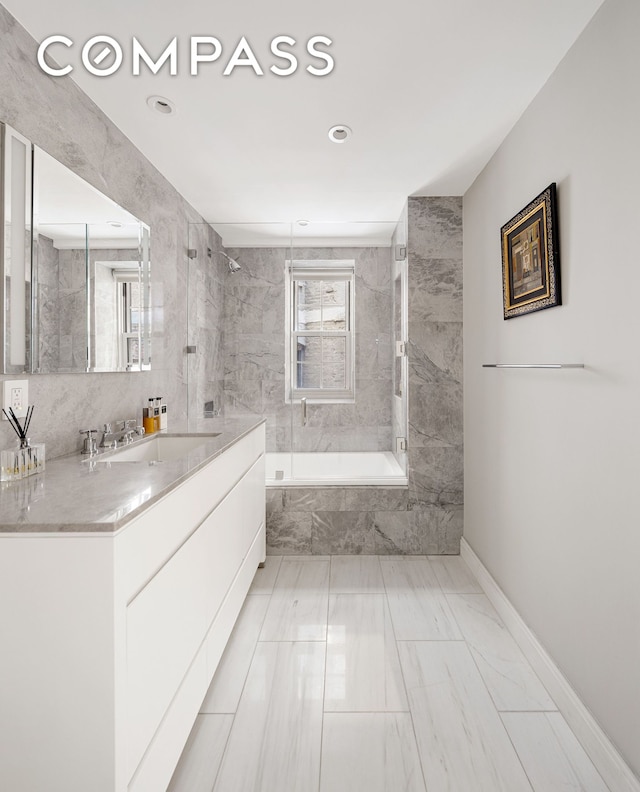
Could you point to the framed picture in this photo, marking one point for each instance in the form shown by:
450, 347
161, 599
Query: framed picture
530, 259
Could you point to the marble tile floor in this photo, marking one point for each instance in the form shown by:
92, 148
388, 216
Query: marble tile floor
376, 674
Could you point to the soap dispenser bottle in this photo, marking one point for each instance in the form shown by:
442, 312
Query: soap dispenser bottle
163, 416
156, 413
148, 418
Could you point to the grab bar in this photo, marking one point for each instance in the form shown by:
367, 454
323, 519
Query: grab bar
533, 365
303, 405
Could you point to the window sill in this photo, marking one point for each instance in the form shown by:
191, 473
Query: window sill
315, 400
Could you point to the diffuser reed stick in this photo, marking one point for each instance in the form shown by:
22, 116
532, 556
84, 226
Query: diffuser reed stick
21, 431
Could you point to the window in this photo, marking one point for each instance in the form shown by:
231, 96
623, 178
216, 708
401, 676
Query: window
130, 309
128, 306
320, 324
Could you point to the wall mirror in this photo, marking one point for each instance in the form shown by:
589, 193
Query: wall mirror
83, 283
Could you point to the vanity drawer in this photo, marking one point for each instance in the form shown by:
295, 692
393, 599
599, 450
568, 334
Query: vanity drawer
228, 534
145, 544
165, 626
168, 620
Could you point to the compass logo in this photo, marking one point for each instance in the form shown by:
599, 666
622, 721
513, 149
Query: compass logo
103, 55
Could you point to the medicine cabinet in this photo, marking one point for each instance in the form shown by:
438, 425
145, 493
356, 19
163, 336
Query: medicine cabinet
76, 270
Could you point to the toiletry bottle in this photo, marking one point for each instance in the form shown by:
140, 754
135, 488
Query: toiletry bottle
156, 413
148, 420
163, 416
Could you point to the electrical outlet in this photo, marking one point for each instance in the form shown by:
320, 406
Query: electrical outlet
16, 397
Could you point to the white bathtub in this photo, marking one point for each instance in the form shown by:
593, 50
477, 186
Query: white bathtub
334, 469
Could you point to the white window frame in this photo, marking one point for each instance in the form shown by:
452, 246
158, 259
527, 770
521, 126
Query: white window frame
123, 273
329, 270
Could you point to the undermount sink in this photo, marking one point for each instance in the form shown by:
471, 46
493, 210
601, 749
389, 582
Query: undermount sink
161, 448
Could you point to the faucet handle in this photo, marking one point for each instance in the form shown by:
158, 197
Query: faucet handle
90, 446
107, 428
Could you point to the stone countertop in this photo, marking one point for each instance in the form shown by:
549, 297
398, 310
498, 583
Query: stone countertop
91, 494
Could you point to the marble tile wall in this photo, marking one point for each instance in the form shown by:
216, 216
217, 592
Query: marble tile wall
426, 517
47, 300
72, 310
254, 337
105, 329
57, 116
435, 361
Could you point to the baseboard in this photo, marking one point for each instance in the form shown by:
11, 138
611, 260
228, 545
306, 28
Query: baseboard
614, 770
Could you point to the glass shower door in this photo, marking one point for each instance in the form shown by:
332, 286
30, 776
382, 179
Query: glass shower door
235, 361
203, 365
399, 410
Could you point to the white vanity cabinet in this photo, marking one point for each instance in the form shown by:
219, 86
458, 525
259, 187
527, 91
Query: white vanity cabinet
111, 640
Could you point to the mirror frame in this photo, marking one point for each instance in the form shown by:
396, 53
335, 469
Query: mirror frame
16, 186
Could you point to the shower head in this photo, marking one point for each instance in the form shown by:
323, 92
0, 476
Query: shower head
232, 263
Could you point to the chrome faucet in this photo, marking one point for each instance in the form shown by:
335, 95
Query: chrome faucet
131, 428
107, 440
122, 436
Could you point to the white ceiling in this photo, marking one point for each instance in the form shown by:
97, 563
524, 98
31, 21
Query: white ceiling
429, 87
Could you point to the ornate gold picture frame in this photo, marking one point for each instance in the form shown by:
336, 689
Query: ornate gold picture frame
530, 258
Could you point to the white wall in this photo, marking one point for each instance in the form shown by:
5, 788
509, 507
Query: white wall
552, 458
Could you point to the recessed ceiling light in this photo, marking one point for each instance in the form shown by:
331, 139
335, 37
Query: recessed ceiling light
339, 133
114, 223
161, 105
302, 223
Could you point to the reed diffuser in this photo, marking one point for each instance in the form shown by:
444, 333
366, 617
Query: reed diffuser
26, 459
